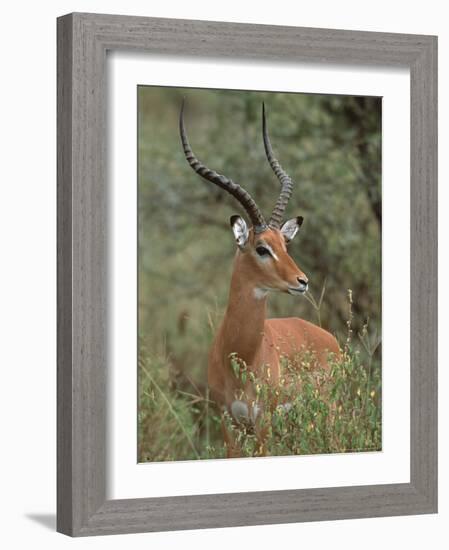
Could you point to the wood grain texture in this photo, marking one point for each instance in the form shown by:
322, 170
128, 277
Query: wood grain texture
424, 276
64, 277
83, 40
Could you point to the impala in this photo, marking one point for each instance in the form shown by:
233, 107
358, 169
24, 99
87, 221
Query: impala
262, 264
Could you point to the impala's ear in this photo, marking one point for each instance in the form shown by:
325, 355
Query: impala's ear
240, 230
291, 227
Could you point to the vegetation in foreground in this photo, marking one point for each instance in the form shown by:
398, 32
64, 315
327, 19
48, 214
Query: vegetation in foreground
332, 411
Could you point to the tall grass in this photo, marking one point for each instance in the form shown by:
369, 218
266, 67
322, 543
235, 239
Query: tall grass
311, 411
176, 420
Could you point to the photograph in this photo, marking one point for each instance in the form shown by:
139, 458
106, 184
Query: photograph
259, 274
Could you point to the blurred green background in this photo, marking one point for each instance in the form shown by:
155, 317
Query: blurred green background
330, 146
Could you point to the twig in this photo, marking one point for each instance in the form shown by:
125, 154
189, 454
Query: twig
195, 387
316, 305
195, 398
207, 419
370, 348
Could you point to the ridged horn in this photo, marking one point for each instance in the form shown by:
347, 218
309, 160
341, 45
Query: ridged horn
281, 174
225, 183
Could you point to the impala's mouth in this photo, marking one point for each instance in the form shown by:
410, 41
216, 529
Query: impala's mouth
298, 290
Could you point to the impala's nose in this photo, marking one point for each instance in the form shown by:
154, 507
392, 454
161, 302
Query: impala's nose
303, 283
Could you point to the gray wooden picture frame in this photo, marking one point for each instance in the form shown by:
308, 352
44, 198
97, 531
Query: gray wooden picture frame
83, 40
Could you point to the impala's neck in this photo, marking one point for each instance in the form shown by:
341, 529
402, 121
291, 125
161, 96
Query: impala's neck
243, 323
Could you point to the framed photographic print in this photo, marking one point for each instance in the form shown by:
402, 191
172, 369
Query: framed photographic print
246, 274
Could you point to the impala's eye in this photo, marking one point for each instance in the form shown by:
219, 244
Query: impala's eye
262, 251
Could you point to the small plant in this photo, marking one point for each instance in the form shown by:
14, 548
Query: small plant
323, 411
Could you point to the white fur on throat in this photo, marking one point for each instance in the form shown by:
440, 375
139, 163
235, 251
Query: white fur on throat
260, 293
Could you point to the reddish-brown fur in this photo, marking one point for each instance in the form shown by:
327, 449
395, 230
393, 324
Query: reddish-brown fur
245, 331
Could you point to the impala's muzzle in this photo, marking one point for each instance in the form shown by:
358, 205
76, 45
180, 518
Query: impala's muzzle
303, 285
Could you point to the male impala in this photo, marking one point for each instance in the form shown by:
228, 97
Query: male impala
261, 264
